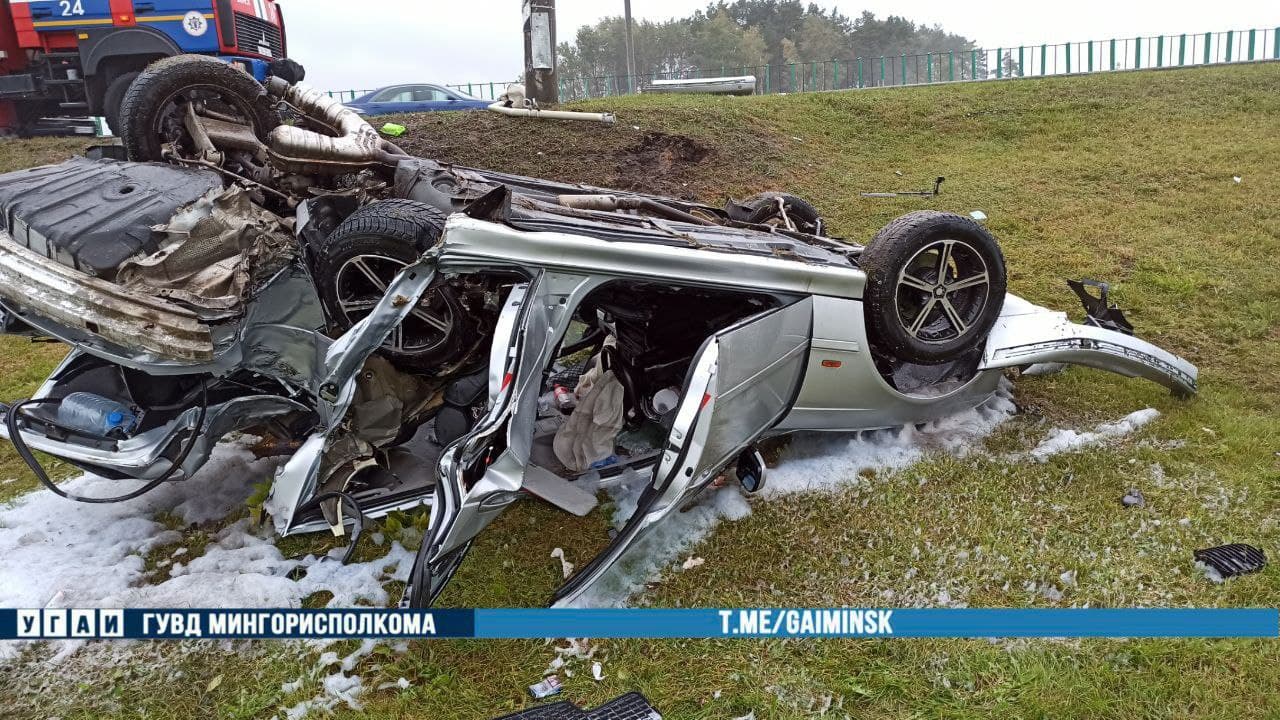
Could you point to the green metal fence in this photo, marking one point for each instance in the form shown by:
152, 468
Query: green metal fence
1133, 53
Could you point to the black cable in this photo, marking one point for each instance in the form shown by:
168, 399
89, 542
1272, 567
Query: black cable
19, 444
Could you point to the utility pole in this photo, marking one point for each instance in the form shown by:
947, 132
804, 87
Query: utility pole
631, 48
540, 51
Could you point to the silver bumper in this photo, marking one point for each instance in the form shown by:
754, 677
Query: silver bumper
44, 289
1027, 334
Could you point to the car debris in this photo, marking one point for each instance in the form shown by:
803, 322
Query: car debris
545, 688
632, 706
1234, 559
266, 263
937, 188
565, 566
1099, 310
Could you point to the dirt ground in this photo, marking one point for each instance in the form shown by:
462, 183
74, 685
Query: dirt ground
618, 156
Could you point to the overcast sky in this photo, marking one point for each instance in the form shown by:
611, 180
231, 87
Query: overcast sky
370, 43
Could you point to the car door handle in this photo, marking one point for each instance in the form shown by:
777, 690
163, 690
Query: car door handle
41, 12
143, 8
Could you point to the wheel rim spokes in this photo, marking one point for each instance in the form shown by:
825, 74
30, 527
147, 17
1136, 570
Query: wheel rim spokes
361, 283
942, 291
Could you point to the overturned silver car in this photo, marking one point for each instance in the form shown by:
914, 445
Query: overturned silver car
411, 333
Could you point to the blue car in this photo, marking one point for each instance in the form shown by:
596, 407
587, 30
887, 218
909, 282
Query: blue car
414, 98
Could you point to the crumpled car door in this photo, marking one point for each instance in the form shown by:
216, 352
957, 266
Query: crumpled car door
742, 383
481, 474
295, 483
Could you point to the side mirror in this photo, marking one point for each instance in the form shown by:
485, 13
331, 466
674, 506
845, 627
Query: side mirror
751, 470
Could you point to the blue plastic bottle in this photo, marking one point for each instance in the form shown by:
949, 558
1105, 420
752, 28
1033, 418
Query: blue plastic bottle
97, 415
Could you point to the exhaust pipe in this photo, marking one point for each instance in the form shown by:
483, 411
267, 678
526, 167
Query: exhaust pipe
357, 146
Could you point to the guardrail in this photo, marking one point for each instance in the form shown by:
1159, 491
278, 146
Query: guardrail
1133, 53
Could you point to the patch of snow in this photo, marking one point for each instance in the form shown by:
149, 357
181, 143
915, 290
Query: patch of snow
812, 462
826, 461
1060, 440
62, 554
1211, 573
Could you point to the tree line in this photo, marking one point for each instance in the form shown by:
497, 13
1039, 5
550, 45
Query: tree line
747, 34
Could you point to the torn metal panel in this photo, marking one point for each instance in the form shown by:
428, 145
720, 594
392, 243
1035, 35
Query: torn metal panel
35, 285
213, 252
1027, 334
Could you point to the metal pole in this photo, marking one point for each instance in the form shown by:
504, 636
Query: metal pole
631, 47
540, 51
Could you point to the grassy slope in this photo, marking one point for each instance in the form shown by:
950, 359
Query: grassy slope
1125, 177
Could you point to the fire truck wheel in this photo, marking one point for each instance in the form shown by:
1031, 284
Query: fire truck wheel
113, 98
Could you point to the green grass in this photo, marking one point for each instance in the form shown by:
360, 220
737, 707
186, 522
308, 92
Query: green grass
1125, 177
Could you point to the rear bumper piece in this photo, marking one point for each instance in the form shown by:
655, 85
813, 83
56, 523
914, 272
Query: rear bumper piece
37, 287
1027, 334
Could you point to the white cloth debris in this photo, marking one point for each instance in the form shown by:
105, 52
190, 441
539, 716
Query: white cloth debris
596, 671
589, 434
692, 563
565, 566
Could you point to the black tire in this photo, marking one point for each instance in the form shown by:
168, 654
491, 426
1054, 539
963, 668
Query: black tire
916, 313
288, 70
375, 241
149, 102
764, 208
113, 98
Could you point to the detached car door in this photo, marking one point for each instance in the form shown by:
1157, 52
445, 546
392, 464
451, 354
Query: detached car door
742, 383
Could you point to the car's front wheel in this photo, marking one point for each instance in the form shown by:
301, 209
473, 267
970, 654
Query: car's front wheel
361, 259
935, 285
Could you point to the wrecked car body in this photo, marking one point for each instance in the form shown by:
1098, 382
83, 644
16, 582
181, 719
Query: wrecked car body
409, 333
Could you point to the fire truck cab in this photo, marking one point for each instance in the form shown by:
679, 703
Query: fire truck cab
64, 58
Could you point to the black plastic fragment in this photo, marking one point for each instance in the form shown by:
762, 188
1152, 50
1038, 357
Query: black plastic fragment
632, 706
1234, 559
1098, 309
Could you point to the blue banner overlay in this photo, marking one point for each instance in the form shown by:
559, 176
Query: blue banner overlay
644, 623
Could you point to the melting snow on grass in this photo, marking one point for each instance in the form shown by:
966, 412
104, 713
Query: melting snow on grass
60, 554
812, 462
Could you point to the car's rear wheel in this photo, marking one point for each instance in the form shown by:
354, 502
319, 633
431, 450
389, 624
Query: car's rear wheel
156, 103
935, 285
361, 259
